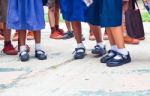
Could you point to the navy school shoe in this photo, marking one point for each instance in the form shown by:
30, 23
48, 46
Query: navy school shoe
24, 56
78, 54
98, 50
39, 54
107, 57
118, 62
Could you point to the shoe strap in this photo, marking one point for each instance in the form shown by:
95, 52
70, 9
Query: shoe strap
40, 51
76, 50
22, 52
121, 55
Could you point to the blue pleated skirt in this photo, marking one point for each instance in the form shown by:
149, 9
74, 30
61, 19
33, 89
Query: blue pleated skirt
25, 15
105, 13
73, 10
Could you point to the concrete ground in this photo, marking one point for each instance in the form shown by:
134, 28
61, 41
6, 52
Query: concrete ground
60, 75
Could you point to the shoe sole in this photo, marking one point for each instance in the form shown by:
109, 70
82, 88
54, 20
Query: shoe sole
118, 64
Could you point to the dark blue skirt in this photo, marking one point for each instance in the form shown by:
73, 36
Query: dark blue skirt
105, 13
25, 15
73, 10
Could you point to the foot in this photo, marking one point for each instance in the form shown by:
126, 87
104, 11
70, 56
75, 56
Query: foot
15, 37
99, 50
56, 35
24, 56
39, 54
91, 36
30, 35
118, 62
61, 31
79, 53
108, 56
129, 40
68, 35
10, 50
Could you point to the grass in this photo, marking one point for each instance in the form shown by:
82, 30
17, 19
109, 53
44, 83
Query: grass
145, 17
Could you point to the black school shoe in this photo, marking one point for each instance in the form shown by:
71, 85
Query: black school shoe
98, 50
79, 55
24, 57
108, 57
68, 35
41, 55
118, 62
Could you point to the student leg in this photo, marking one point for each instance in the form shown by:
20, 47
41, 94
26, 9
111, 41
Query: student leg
99, 49
69, 33
39, 53
91, 34
8, 47
80, 50
24, 56
122, 56
57, 16
55, 34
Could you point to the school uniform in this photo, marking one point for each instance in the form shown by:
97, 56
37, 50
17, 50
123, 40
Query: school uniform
73, 10
25, 15
105, 13
3, 10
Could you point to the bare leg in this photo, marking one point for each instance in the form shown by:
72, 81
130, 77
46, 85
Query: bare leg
118, 34
51, 16
110, 37
97, 33
7, 33
68, 25
37, 35
22, 37
77, 31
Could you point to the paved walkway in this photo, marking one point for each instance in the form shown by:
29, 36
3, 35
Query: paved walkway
60, 75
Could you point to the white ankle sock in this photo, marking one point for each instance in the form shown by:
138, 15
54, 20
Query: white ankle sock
38, 46
80, 45
123, 51
101, 44
114, 48
23, 49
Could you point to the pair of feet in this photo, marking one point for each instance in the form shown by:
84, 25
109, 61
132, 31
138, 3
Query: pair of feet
30, 36
111, 60
39, 54
79, 53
